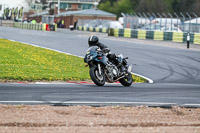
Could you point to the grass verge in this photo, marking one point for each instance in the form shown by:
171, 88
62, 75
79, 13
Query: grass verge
29, 63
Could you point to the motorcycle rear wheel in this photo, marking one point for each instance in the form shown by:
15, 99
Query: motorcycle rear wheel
127, 80
98, 79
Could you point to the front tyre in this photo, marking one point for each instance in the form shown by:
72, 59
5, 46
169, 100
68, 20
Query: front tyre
127, 80
98, 79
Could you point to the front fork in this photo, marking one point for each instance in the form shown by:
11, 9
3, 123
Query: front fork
99, 67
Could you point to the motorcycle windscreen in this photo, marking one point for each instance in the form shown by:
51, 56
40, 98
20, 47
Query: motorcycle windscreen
91, 50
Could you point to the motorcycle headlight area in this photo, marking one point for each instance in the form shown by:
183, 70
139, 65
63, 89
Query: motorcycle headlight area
89, 57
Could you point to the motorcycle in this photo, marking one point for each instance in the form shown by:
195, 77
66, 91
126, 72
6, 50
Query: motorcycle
102, 69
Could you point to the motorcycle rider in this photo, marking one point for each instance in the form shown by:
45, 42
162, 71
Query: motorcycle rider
94, 41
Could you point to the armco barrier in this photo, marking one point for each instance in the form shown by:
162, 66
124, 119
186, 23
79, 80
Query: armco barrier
121, 32
197, 38
92, 29
44, 27
127, 33
168, 36
116, 32
85, 28
104, 30
36, 26
53, 27
143, 34
80, 28
158, 35
177, 37
134, 33
97, 29
149, 34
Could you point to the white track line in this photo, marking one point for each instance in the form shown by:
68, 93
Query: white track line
83, 102
192, 104
100, 103
149, 80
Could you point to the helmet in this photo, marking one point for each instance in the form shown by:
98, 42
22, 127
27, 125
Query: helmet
93, 40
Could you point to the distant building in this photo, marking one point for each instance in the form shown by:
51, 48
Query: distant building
38, 16
70, 17
36, 7
71, 11
71, 5
2, 8
6, 7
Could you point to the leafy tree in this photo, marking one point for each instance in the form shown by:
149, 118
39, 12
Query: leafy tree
106, 6
196, 7
183, 6
111, 1
151, 6
118, 7
123, 6
131, 6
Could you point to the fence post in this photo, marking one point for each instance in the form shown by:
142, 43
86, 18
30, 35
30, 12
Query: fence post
154, 18
183, 21
124, 19
1, 21
128, 21
141, 17
196, 20
150, 19
165, 20
171, 19
177, 19
137, 21
131, 21
160, 20
190, 20
145, 19
140, 22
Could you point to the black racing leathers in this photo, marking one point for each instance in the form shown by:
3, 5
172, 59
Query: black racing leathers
110, 56
102, 46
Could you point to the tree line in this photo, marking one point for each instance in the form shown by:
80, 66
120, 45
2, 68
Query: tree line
153, 6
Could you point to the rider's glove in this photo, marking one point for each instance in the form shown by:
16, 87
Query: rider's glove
106, 50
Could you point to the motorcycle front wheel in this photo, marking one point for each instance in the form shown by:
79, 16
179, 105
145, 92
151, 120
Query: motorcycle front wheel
98, 79
127, 80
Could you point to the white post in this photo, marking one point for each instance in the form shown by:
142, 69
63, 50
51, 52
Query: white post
58, 6
188, 40
96, 3
22, 14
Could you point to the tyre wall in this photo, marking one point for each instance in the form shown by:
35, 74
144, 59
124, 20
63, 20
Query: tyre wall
143, 34
37, 26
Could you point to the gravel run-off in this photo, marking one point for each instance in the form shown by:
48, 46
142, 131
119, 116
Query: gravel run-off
107, 119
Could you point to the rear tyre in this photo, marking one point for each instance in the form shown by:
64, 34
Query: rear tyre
127, 80
98, 79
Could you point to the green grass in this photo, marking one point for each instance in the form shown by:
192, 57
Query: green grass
29, 63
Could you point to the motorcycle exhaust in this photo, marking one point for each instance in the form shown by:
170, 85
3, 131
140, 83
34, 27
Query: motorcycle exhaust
121, 77
130, 68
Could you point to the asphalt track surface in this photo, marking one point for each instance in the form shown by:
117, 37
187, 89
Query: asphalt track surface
175, 71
